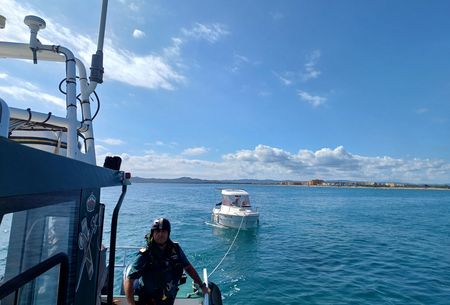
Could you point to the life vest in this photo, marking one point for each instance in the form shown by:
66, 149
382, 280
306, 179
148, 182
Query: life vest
163, 269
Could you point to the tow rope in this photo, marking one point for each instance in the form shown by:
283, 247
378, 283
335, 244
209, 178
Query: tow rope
228, 251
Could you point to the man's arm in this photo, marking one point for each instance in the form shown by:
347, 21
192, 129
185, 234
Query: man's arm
194, 275
129, 290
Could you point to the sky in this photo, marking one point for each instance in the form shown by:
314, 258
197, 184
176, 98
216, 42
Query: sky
294, 89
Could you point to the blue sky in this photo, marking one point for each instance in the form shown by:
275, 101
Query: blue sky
255, 89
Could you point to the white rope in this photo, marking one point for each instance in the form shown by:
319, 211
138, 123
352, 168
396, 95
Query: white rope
229, 247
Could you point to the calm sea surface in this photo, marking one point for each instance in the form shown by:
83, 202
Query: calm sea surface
313, 246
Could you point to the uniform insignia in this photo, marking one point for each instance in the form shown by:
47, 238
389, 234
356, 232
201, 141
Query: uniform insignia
142, 250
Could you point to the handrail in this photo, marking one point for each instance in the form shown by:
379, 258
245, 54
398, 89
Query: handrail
125, 253
112, 246
23, 278
205, 279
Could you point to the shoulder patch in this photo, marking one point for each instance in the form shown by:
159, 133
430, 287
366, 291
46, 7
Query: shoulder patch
143, 250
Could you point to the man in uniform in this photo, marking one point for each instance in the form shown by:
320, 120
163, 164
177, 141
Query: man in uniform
158, 269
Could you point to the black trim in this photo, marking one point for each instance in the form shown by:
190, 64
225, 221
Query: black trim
16, 203
38, 141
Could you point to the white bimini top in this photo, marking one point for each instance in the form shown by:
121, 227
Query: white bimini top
234, 192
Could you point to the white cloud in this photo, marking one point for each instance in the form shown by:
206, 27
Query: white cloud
308, 72
210, 32
174, 51
111, 141
311, 71
133, 7
163, 144
21, 90
150, 71
265, 162
312, 99
15, 29
285, 80
138, 34
195, 151
99, 149
238, 61
164, 166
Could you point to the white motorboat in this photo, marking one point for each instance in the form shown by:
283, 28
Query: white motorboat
235, 211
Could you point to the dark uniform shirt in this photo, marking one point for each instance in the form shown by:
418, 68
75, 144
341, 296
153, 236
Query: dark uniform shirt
158, 272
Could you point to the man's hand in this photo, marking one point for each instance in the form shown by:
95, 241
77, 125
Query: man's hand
205, 289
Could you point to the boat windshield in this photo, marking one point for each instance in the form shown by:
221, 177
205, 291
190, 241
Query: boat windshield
236, 200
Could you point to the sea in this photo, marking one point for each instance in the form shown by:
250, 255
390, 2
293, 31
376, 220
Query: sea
314, 245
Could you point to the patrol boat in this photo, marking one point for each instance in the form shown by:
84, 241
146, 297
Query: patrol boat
51, 213
235, 211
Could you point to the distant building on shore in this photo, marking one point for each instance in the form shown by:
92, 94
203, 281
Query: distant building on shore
315, 182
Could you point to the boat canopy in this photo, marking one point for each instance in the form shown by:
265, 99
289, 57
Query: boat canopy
234, 192
234, 197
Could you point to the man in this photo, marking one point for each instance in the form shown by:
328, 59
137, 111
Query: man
158, 269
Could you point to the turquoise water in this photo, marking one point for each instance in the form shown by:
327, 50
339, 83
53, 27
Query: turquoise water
313, 246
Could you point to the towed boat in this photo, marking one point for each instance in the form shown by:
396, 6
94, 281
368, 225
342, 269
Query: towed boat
235, 210
51, 213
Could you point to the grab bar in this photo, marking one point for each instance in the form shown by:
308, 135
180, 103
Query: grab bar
112, 246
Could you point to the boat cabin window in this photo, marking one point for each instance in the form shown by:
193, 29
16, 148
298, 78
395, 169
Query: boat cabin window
236, 200
29, 236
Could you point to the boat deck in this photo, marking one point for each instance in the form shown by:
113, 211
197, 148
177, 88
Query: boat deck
121, 300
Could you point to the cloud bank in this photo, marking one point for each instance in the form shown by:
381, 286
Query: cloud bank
265, 162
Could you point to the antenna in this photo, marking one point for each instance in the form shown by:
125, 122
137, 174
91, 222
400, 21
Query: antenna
35, 24
97, 58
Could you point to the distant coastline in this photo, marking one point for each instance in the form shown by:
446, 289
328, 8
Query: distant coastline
314, 182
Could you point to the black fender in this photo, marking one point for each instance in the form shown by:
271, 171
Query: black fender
215, 296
